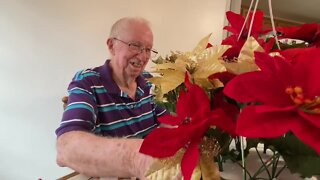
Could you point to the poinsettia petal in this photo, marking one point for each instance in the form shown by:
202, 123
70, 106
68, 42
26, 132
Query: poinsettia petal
257, 87
189, 102
232, 52
199, 123
170, 120
219, 118
292, 54
235, 20
231, 29
164, 142
270, 108
185, 107
307, 71
316, 40
257, 23
275, 66
287, 32
307, 133
268, 45
313, 119
231, 40
182, 108
209, 45
263, 125
305, 32
190, 160
224, 77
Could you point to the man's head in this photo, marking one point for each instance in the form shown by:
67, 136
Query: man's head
130, 45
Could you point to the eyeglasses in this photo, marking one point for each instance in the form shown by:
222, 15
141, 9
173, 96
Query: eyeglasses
139, 49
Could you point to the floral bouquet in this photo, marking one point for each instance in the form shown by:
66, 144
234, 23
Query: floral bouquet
248, 87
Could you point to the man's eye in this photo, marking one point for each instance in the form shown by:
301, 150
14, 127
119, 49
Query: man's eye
135, 45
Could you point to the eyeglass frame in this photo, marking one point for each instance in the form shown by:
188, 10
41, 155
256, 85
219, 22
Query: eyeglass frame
139, 48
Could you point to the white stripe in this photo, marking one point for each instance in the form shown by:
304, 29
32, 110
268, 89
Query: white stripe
96, 86
122, 120
141, 89
80, 89
141, 131
161, 113
81, 102
74, 120
89, 70
121, 104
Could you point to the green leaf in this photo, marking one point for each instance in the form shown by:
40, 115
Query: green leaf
303, 164
299, 157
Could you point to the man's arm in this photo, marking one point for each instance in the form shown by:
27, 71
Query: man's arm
96, 156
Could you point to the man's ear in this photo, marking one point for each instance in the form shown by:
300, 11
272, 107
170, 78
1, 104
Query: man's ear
110, 45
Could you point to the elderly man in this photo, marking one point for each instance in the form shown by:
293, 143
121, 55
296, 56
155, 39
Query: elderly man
110, 101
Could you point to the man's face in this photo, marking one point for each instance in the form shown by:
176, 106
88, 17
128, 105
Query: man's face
132, 50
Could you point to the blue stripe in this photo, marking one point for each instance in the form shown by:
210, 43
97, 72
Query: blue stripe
124, 106
149, 84
83, 106
99, 90
124, 123
82, 74
79, 91
140, 92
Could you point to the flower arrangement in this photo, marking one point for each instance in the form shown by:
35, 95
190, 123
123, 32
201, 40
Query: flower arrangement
246, 87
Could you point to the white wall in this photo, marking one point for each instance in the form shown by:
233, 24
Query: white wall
44, 42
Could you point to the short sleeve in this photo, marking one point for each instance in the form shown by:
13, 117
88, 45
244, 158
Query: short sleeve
81, 110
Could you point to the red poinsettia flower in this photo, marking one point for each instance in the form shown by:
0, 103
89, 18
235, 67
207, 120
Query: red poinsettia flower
193, 119
293, 54
306, 32
236, 22
283, 97
224, 77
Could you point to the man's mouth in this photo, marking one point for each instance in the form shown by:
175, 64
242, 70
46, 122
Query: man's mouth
137, 64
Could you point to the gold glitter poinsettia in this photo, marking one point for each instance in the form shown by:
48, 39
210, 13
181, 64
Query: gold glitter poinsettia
170, 168
201, 62
245, 61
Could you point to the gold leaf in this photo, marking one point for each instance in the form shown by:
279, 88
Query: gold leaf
246, 62
204, 83
161, 172
170, 168
196, 174
248, 49
169, 81
202, 44
207, 67
209, 169
215, 52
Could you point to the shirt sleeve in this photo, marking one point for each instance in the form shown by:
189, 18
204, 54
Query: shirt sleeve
160, 111
81, 110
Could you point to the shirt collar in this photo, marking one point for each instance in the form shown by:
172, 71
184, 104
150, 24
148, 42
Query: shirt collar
111, 85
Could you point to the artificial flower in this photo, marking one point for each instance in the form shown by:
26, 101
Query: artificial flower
307, 32
237, 40
199, 63
245, 61
282, 97
194, 117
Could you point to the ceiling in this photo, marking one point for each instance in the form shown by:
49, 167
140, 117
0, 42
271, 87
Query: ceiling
303, 11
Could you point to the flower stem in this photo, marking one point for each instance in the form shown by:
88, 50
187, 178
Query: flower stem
263, 167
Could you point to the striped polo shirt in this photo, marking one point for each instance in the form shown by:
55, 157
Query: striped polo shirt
96, 104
